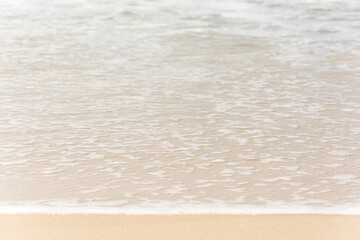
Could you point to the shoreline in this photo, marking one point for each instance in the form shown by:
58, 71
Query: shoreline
202, 226
174, 208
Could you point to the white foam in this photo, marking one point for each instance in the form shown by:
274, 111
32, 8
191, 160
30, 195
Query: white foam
171, 208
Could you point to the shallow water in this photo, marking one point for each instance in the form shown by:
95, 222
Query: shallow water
183, 103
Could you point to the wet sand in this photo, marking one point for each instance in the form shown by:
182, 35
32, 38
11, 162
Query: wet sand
169, 106
106, 227
176, 103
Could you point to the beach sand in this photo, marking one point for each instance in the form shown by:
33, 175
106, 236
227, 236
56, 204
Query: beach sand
106, 227
170, 106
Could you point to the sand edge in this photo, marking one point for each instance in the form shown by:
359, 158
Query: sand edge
205, 226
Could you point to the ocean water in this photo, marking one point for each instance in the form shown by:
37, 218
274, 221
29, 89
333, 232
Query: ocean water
184, 106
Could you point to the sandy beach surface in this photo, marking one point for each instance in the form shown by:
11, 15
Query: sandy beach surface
179, 107
108, 227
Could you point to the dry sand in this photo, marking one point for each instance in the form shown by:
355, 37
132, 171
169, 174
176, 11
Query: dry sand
106, 227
